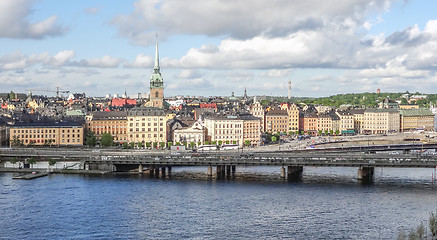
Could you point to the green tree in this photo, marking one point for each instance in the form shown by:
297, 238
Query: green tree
214, 143
51, 161
247, 143
274, 139
320, 132
13, 161
148, 144
192, 145
131, 145
234, 142
107, 140
162, 145
326, 132
331, 132
31, 161
140, 144
220, 142
125, 145
337, 132
169, 144
433, 224
90, 139
207, 143
155, 144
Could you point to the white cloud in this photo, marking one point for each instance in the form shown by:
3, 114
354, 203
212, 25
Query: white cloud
277, 73
189, 74
14, 21
141, 61
61, 58
239, 19
104, 62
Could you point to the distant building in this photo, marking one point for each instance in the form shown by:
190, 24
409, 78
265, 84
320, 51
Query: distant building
114, 123
257, 110
277, 121
47, 134
146, 124
414, 119
381, 121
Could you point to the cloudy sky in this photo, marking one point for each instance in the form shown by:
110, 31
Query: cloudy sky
216, 47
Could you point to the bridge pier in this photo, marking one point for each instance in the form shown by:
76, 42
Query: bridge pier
228, 171
365, 174
233, 169
282, 172
163, 172
209, 171
219, 170
140, 168
294, 173
169, 171
156, 172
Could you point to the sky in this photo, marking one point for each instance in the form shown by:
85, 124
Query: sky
216, 47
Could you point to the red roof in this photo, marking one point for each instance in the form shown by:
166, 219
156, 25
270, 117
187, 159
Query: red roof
119, 102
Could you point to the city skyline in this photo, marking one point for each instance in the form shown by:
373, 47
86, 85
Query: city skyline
218, 48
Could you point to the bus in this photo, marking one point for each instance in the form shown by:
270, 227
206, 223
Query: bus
230, 147
203, 148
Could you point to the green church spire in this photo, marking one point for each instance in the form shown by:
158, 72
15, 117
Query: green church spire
156, 80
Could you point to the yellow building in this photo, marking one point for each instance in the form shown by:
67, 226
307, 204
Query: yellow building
277, 121
324, 123
346, 121
358, 119
46, 134
146, 125
415, 119
114, 123
293, 116
381, 121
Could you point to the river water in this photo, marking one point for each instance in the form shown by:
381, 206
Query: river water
328, 204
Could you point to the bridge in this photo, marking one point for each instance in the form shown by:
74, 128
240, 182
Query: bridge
160, 163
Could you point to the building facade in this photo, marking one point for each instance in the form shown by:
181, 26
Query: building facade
146, 125
257, 110
46, 134
416, 119
277, 121
114, 123
381, 121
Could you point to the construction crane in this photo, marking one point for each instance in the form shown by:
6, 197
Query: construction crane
58, 90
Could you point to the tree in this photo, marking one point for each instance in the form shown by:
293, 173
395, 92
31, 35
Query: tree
433, 224
148, 144
51, 162
274, 139
220, 142
125, 145
131, 145
326, 132
234, 142
31, 161
155, 144
320, 132
169, 144
192, 144
207, 143
107, 140
13, 161
214, 143
140, 144
90, 139
162, 144
247, 143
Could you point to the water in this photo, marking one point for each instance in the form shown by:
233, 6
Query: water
328, 204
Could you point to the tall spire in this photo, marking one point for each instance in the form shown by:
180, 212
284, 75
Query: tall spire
156, 67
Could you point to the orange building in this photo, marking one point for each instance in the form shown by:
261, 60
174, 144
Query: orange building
114, 123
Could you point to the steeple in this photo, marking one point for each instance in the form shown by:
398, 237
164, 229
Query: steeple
156, 67
156, 82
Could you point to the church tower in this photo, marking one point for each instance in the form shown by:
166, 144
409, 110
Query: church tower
156, 84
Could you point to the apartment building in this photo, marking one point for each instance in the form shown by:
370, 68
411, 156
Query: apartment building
381, 121
114, 123
277, 121
46, 134
413, 119
146, 124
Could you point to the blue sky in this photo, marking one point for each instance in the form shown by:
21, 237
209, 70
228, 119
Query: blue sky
213, 48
